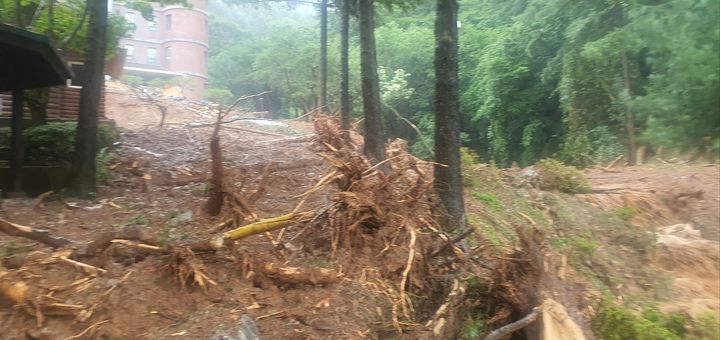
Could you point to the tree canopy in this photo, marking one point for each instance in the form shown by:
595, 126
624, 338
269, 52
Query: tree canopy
576, 80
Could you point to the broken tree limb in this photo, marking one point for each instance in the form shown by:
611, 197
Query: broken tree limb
445, 324
40, 235
612, 164
84, 266
455, 240
265, 225
296, 275
415, 128
515, 326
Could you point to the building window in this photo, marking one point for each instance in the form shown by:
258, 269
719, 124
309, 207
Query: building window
152, 24
129, 52
130, 17
151, 55
168, 21
168, 55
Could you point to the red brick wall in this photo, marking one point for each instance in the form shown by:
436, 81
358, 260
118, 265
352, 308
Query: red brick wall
186, 34
63, 104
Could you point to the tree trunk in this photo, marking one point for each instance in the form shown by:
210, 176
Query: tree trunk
217, 190
17, 145
83, 169
448, 179
374, 137
322, 99
345, 66
629, 119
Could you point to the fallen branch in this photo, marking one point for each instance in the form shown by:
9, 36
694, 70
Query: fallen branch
406, 272
40, 200
612, 164
414, 127
40, 235
515, 326
91, 328
455, 240
445, 323
300, 276
84, 266
262, 226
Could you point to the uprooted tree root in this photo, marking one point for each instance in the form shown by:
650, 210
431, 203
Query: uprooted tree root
382, 213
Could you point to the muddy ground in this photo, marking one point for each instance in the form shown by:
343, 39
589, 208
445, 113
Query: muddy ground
158, 180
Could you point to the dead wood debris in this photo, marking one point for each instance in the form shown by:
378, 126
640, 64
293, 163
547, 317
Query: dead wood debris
508, 329
299, 276
39, 235
388, 213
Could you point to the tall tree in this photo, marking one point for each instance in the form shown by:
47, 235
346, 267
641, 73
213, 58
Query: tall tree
345, 65
374, 136
322, 98
83, 169
448, 175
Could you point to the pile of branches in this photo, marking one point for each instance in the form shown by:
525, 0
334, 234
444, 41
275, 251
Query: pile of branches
379, 213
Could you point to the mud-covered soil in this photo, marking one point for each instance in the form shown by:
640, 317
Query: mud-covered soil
680, 204
663, 194
158, 179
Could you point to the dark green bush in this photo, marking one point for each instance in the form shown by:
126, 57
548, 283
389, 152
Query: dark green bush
55, 141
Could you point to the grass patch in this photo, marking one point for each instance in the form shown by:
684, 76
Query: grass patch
490, 200
618, 322
136, 220
625, 213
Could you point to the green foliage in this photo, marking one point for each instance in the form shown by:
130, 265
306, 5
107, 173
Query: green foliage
704, 327
625, 213
538, 78
56, 141
164, 82
220, 96
615, 322
490, 200
473, 328
553, 175
66, 18
102, 161
468, 164
136, 220
132, 80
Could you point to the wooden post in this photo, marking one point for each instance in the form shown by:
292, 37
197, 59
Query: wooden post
17, 145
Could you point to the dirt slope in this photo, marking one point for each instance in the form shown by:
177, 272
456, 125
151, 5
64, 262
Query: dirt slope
681, 203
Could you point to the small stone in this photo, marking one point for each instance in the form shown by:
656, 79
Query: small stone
321, 324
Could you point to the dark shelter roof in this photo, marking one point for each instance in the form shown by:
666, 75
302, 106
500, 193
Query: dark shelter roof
28, 60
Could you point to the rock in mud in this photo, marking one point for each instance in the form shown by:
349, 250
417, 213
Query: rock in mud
245, 329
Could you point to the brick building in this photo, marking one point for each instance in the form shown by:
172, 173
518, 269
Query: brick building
174, 44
